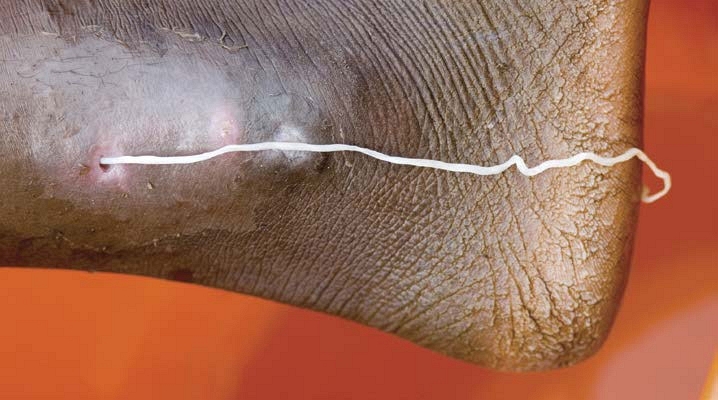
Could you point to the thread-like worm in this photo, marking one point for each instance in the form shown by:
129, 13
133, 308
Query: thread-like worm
415, 162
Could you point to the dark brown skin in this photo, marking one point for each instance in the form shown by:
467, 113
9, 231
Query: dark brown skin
505, 271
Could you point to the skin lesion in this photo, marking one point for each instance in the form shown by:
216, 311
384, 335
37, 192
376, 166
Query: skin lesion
505, 271
116, 101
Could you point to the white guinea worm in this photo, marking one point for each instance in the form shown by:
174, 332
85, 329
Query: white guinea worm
515, 160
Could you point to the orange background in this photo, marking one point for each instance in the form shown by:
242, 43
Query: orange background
76, 335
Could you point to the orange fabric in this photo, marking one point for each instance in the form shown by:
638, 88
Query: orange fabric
71, 335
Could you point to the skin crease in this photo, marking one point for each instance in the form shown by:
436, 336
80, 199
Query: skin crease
505, 271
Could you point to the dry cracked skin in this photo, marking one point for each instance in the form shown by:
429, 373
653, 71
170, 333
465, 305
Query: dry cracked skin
505, 271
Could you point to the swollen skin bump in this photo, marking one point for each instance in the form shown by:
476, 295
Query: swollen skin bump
515, 160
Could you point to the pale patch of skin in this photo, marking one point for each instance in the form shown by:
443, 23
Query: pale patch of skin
134, 104
291, 134
226, 124
96, 98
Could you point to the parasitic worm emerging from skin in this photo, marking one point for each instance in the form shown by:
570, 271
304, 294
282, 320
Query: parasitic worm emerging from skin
415, 162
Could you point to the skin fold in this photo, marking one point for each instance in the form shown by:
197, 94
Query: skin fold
505, 271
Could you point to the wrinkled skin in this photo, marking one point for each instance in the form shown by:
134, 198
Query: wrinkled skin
505, 271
